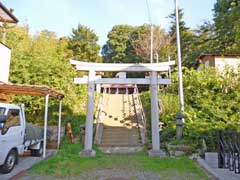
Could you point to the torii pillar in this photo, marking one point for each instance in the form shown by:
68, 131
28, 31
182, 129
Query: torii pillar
88, 151
155, 151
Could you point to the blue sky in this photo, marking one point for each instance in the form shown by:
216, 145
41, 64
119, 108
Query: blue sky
61, 16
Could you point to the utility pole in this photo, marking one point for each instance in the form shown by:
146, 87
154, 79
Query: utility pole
179, 117
151, 44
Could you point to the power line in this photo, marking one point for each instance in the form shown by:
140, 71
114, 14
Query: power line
149, 12
151, 32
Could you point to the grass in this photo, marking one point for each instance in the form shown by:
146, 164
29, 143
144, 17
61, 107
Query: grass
67, 163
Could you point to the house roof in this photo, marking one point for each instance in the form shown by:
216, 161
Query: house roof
215, 55
6, 15
31, 90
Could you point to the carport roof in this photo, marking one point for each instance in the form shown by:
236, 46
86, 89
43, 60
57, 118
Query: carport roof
31, 90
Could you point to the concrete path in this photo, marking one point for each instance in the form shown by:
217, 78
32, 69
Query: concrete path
24, 164
210, 164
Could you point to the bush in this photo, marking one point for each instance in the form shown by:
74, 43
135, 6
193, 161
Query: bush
212, 103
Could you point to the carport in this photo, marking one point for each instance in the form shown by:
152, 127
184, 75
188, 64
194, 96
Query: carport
34, 90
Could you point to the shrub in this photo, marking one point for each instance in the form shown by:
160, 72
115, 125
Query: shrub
212, 102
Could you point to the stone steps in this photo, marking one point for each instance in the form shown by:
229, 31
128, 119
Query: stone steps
119, 149
121, 139
120, 129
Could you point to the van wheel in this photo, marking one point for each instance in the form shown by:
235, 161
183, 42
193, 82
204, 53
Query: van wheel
10, 162
37, 152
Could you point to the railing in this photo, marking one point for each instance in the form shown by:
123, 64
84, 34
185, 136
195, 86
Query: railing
99, 119
229, 151
141, 117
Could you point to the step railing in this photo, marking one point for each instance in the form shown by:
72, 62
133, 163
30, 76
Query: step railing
141, 116
99, 118
229, 150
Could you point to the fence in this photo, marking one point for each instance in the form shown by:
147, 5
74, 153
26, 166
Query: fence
229, 150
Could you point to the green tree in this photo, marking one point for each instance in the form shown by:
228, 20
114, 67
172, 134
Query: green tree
203, 42
118, 46
83, 43
186, 37
140, 41
227, 25
19, 40
44, 60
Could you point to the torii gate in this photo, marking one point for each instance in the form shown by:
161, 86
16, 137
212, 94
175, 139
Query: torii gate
153, 81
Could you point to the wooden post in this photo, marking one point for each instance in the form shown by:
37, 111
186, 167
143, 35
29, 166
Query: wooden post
88, 151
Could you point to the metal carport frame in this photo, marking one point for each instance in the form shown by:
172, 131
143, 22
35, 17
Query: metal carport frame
34, 90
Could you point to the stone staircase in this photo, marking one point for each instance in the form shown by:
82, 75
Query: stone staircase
120, 126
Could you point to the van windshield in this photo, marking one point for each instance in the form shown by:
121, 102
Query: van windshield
2, 111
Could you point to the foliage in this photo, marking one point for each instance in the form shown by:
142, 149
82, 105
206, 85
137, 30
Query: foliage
140, 41
44, 60
227, 25
83, 43
68, 163
211, 103
186, 36
222, 36
128, 44
115, 50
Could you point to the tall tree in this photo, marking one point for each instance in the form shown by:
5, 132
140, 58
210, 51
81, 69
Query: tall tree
83, 43
140, 41
227, 25
43, 60
185, 33
117, 47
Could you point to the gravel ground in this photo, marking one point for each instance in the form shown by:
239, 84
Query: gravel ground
104, 174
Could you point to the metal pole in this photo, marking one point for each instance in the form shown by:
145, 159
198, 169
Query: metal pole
179, 122
45, 126
180, 81
59, 124
151, 44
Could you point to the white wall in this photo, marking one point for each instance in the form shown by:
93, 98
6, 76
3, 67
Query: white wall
222, 62
5, 56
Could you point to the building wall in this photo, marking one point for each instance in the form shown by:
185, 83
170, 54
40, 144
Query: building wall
208, 61
222, 62
5, 56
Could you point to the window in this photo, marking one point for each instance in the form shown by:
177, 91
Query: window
2, 111
13, 119
207, 63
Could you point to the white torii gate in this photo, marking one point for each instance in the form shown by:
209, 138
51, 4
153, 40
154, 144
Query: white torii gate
153, 81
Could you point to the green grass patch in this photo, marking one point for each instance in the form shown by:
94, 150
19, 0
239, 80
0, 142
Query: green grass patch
68, 163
